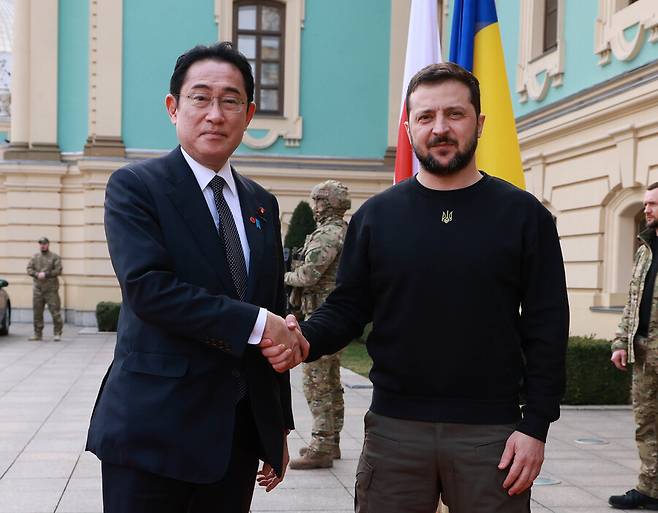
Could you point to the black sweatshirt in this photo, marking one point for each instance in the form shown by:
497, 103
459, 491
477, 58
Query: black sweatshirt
467, 295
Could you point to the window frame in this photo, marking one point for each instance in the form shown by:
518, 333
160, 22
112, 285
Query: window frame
259, 33
534, 62
266, 129
549, 10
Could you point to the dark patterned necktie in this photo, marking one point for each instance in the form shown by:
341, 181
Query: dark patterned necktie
234, 255
229, 234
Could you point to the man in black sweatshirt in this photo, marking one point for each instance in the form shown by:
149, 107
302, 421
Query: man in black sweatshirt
462, 276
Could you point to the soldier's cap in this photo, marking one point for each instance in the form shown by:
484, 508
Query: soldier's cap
44, 240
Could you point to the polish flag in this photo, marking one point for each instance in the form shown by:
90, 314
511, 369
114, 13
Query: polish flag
423, 48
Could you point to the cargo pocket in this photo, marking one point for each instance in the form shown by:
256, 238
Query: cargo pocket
364, 473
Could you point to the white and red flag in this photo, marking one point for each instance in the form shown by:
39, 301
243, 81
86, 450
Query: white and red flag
423, 48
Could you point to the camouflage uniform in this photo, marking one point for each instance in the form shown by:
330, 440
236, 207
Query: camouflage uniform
45, 292
312, 281
644, 352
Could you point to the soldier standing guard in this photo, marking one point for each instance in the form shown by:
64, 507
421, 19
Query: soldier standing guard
637, 342
45, 267
312, 281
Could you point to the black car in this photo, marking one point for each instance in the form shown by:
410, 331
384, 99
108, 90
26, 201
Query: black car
5, 308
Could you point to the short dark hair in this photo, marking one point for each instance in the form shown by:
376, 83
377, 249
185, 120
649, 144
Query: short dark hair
222, 52
653, 186
442, 72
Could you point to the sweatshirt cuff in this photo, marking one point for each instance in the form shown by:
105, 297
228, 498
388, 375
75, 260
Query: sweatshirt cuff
314, 350
534, 426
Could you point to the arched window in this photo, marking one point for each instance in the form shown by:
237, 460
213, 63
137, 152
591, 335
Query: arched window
259, 33
640, 225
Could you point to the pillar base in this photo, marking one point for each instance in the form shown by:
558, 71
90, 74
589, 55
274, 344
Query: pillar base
389, 158
35, 151
105, 146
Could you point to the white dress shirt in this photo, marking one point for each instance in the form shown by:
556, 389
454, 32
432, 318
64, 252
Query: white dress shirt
203, 176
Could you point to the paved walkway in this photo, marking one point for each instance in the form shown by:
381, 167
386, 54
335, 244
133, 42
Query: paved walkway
47, 390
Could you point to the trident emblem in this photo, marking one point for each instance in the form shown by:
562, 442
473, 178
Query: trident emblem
446, 216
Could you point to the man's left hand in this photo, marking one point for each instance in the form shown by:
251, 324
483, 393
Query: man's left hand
526, 454
266, 475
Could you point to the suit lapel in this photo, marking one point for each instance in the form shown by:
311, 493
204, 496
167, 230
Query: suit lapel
188, 199
255, 232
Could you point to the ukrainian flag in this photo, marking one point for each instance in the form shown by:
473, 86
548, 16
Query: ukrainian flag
475, 44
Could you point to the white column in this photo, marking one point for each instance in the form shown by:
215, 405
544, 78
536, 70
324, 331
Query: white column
105, 78
20, 94
43, 72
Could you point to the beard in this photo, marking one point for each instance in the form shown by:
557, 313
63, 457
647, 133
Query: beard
653, 224
456, 163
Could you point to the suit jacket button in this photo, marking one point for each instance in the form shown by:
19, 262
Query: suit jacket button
235, 373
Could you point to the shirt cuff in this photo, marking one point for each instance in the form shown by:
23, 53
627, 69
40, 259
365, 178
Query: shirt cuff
259, 327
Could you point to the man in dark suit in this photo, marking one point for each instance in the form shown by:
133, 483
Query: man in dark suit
189, 404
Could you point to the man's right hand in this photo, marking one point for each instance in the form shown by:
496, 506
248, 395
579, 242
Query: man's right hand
619, 358
283, 343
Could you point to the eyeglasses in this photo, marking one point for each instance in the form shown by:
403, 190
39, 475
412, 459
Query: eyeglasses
226, 103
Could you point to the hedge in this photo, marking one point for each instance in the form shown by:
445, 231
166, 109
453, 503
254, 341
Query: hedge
301, 224
107, 315
591, 377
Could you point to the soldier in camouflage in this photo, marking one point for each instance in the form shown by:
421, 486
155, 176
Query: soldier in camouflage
312, 281
637, 342
45, 267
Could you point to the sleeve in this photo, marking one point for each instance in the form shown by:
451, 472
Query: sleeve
56, 269
544, 325
346, 311
30, 268
149, 283
283, 379
320, 254
622, 335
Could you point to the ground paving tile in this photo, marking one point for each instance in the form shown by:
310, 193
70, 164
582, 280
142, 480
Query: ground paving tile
47, 391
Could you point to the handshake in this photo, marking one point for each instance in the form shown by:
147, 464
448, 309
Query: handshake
282, 343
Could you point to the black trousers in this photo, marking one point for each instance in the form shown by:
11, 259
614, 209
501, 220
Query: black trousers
129, 490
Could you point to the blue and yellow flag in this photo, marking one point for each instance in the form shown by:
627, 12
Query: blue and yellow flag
475, 44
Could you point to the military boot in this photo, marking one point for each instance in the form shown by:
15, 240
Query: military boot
633, 499
57, 337
335, 452
312, 459
36, 336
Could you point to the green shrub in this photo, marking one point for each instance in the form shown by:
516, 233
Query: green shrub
364, 336
301, 225
107, 315
591, 377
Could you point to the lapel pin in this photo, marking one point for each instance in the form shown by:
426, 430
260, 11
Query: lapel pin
255, 221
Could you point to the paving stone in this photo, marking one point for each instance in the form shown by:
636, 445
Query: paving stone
33, 495
43, 465
82, 496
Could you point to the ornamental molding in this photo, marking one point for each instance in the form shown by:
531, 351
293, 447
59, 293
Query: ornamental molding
538, 71
615, 19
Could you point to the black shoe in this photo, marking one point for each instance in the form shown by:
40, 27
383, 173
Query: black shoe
633, 499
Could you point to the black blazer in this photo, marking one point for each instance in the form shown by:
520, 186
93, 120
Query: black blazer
167, 403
